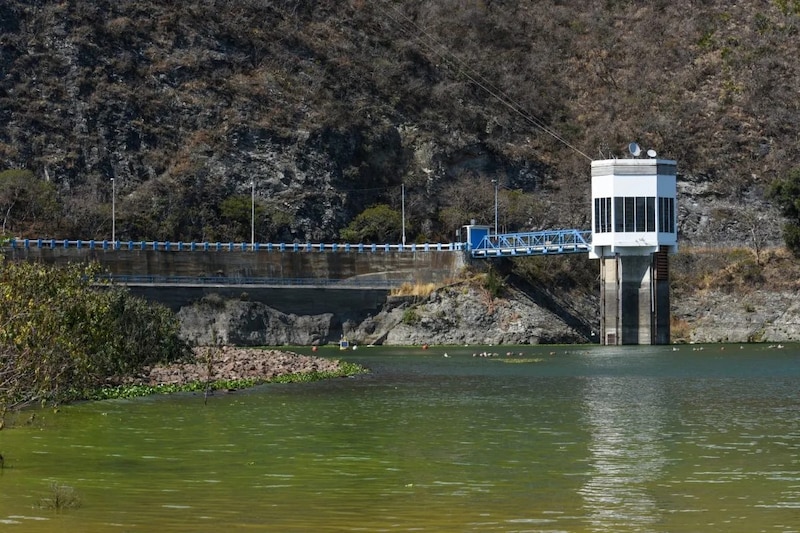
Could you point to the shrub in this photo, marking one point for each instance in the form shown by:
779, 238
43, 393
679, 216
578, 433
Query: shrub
410, 316
64, 334
494, 283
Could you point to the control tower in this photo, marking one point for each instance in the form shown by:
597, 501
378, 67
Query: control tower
634, 228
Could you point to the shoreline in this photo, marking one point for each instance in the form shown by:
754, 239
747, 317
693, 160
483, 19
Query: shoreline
231, 363
226, 368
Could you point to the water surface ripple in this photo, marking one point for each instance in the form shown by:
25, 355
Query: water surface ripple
566, 439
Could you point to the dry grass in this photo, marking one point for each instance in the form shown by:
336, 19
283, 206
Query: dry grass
680, 330
414, 289
740, 269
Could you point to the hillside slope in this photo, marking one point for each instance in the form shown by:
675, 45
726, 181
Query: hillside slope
322, 109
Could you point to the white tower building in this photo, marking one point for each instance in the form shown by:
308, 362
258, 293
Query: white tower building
634, 227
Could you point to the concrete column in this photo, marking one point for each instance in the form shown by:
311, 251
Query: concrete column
634, 299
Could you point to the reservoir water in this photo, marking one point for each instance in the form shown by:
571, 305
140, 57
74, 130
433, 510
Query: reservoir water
545, 439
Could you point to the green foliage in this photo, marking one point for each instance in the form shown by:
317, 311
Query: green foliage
237, 208
410, 316
791, 236
788, 7
494, 283
63, 335
26, 203
786, 193
132, 391
379, 224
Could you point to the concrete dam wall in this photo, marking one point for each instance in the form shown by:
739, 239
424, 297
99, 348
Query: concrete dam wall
302, 280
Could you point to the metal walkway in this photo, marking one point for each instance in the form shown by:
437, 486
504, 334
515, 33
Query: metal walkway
549, 242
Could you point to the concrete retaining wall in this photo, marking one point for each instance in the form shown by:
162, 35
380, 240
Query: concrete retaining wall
406, 266
418, 266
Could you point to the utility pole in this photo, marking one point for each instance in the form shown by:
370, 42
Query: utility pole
403, 204
495, 205
113, 211
252, 215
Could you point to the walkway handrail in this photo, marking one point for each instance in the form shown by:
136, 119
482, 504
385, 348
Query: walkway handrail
169, 246
348, 283
561, 241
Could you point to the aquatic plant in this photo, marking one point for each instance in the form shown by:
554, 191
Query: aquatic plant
132, 391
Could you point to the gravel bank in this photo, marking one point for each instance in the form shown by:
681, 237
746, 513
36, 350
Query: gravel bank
232, 363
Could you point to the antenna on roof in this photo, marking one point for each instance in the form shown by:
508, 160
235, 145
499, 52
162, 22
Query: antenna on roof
634, 149
651, 153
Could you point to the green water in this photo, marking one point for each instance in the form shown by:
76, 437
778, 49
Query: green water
581, 439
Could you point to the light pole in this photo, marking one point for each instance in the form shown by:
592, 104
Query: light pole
253, 215
403, 209
495, 205
113, 211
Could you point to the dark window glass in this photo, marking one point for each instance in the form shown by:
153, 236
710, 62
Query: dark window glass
597, 218
630, 214
619, 214
651, 214
671, 215
640, 213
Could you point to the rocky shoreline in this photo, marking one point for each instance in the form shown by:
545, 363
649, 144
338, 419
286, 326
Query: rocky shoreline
229, 363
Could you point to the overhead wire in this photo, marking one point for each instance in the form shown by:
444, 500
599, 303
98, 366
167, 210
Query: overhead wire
475, 77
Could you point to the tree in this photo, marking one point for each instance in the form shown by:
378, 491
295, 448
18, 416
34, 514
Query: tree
786, 193
63, 334
24, 201
379, 223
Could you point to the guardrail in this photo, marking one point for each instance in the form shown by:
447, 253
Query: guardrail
234, 281
232, 246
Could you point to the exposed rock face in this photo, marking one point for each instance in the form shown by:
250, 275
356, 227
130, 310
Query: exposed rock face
464, 314
458, 314
755, 317
243, 323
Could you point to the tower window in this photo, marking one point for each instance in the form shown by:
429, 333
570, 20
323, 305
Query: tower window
634, 213
602, 215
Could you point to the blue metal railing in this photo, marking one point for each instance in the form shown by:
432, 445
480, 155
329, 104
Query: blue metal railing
232, 246
191, 281
564, 241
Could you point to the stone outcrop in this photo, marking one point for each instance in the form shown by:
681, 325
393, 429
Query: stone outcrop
466, 314
462, 313
245, 323
759, 316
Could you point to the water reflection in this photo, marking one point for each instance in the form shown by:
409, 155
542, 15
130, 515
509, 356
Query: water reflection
625, 417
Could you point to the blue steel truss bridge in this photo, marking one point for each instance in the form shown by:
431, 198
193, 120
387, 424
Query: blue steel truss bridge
548, 242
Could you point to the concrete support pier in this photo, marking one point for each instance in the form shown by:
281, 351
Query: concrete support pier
635, 303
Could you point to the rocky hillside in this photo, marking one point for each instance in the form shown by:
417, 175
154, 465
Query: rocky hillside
324, 108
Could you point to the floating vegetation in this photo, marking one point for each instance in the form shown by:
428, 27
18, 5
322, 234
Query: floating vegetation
133, 391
